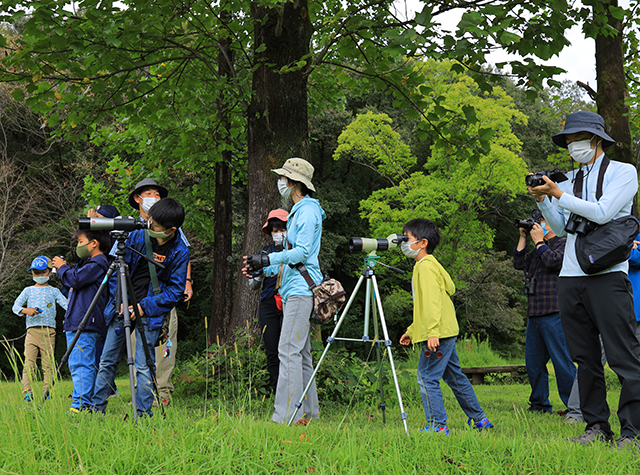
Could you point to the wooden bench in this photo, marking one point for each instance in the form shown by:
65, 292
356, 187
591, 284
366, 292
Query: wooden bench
477, 373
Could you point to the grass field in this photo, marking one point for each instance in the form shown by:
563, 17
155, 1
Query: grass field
205, 436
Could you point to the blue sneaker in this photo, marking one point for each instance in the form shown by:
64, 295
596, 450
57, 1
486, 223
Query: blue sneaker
28, 398
481, 424
433, 428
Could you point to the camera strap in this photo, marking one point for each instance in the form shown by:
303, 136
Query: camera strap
577, 184
152, 268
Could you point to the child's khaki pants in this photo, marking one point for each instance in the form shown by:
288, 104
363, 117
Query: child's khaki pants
38, 340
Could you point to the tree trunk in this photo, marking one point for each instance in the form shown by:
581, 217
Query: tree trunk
612, 88
277, 122
223, 224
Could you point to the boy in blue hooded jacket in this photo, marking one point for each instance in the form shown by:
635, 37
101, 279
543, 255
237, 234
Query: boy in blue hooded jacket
165, 218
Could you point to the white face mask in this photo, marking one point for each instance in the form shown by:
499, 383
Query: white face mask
278, 238
148, 202
41, 279
581, 150
405, 247
284, 190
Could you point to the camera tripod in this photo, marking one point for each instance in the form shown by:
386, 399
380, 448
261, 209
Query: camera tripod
124, 283
372, 300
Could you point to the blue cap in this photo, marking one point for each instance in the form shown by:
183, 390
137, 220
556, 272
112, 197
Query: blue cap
583, 121
107, 211
40, 263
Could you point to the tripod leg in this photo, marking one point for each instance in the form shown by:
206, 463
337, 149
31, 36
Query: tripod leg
387, 342
383, 406
122, 282
330, 340
147, 352
82, 325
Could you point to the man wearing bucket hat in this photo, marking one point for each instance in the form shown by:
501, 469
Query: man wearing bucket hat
600, 303
270, 308
302, 245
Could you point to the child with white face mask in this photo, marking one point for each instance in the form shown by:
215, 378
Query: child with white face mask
270, 309
38, 304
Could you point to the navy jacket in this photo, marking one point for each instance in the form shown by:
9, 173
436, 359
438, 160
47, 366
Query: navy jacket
172, 280
83, 282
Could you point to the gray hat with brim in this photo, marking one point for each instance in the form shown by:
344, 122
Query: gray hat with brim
583, 121
144, 184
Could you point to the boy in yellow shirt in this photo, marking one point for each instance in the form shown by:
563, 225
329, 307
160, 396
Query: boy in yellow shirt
436, 327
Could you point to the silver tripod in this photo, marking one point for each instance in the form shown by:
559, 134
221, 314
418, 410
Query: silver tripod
368, 274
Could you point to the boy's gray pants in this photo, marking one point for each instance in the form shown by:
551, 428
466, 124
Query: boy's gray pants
296, 367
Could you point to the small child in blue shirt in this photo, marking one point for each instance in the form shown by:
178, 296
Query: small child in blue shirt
38, 304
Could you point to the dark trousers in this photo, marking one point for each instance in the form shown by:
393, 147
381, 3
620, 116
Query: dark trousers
270, 321
603, 305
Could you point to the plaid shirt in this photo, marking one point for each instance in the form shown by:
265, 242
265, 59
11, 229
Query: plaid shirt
544, 265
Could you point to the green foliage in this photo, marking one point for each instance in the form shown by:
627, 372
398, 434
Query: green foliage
491, 303
369, 140
229, 372
452, 191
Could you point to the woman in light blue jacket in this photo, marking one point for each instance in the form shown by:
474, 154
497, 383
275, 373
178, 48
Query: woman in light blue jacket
302, 244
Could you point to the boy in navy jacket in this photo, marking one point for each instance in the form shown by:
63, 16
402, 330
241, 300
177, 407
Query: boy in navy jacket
83, 282
165, 218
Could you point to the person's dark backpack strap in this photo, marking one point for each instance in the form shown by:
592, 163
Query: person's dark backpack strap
152, 268
577, 184
601, 172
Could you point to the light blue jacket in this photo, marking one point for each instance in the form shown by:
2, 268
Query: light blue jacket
304, 232
619, 186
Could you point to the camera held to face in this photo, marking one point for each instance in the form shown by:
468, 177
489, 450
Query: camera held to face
537, 180
527, 224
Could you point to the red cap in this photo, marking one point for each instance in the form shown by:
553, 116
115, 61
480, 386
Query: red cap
275, 214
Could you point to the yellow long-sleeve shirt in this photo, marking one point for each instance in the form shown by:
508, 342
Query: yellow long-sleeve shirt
433, 311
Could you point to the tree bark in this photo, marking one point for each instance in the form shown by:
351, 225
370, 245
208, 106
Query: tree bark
612, 87
277, 126
223, 224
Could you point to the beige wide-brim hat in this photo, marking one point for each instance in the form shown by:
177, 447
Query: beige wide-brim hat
297, 169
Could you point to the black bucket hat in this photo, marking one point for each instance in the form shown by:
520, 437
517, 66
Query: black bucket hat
144, 184
583, 121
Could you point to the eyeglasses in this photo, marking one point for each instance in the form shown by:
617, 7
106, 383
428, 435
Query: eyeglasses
437, 353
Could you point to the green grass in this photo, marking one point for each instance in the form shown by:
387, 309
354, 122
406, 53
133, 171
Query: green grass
204, 436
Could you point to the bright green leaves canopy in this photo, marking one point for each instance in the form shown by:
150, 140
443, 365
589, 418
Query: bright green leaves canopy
451, 191
371, 141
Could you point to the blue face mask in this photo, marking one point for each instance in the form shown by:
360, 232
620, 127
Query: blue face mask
544, 228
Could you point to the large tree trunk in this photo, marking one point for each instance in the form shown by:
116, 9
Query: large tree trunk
277, 122
612, 87
223, 224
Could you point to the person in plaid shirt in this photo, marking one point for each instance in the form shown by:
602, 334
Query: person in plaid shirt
545, 337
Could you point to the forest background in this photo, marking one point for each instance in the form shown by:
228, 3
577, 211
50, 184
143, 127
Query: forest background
399, 118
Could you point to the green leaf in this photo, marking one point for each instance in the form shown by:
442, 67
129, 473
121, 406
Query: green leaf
617, 12
18, 94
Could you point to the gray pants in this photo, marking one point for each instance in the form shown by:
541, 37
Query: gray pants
296, 367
